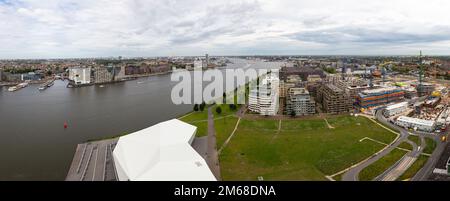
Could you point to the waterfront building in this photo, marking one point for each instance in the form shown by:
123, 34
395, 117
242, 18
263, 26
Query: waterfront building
162, 152
395, 109
31, 76
376, 97
103, 75
264, 99
299, 101
80, 75
416, 124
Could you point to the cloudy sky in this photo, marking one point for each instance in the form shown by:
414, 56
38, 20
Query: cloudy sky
101, 28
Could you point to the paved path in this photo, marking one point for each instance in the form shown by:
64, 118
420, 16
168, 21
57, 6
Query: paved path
240, 113
213, 156
428, 168
353, 173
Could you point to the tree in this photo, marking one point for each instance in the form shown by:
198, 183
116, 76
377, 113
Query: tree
330, 70
224, 97
202, 106
218, 109
196, 107
292, 113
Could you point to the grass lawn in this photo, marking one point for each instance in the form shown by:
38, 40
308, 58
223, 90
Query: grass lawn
338, 177
198, 119
195, 116
226, 111
303, 150
415, 139
369, 173
431, 145
415, 167
224, 127
405, 145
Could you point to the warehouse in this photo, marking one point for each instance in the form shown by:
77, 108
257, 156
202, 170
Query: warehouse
416, 124
395, 109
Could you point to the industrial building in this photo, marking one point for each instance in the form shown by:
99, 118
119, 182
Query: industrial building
299, 102
416, 124
80, 75
162, 152
264, 99
395, 109
376, 97
334, 100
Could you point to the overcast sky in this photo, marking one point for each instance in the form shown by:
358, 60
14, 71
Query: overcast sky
101, 28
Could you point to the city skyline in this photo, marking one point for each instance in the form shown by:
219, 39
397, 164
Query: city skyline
80, 29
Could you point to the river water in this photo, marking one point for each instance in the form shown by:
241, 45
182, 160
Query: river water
33, 142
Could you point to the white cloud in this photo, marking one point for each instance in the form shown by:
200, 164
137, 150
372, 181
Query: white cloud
83, 28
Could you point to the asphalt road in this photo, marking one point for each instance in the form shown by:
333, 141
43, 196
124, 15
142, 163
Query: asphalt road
352, 174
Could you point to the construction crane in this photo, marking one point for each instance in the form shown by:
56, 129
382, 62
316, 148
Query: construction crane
420, 87
420, 69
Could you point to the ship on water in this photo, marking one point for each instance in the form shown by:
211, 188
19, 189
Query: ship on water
46, 85
17, 87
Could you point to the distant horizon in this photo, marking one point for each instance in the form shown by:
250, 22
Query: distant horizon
256, 55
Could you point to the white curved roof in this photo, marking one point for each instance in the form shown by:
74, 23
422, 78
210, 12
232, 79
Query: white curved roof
162, 152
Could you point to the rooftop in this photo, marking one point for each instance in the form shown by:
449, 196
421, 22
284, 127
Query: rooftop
416, 121
162, 152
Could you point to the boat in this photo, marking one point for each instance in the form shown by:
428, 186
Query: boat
17, 87
11, 89
46, 85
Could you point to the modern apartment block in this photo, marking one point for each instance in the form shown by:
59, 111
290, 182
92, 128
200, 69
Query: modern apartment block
264, 99
299, 102
80, 75
334, 100
103, 75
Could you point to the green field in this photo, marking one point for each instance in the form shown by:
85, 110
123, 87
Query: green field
415, 139
405, 145
224, 127
431, 145
199, 119
415, 167
369, 173
303, 150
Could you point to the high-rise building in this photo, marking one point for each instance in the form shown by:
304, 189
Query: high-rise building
80, 75
299, 102
264, 99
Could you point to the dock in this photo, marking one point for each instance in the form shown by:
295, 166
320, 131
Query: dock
93, 161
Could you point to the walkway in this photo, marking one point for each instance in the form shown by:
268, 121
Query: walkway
213, 156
